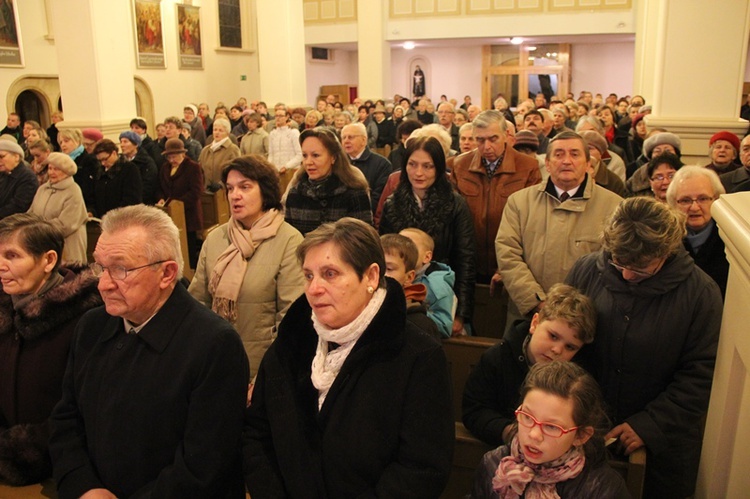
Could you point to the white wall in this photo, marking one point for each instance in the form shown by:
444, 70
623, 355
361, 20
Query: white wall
172, 88
603, 68
342, 70
454, 71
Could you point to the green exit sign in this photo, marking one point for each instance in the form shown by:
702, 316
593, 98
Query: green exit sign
243, 77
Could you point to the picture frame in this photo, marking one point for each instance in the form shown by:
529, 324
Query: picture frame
189, 43
149, 34
11, 53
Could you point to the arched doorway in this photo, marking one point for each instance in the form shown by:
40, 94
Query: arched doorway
30, 105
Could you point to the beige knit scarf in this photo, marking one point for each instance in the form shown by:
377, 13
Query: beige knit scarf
229, 271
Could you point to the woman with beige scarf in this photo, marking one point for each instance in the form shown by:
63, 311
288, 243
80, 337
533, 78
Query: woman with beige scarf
247, 271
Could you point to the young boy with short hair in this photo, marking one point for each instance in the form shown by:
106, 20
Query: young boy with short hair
564, 324
400, 264
439, 279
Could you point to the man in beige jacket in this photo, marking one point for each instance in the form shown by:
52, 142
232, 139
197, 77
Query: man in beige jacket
545, 228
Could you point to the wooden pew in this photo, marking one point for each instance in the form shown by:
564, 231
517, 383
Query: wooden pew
489, 311
463, 354
215, 211
176, 211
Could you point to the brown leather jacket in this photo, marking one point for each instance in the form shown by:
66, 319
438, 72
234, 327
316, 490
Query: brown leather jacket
487, 197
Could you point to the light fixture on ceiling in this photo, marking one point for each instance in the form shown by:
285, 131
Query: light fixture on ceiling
531, 48
409, 45
516, 40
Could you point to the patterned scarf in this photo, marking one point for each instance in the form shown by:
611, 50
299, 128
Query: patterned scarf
326, 365
229, 271
515, 475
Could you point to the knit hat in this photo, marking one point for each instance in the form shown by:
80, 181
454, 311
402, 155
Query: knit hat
11, 146
379, 108
7, 136
132, 137
173, 146
661, 138
92, 134
62, 162
186, 126
191, 106
526, 138
637, 119
595, 139
728, 136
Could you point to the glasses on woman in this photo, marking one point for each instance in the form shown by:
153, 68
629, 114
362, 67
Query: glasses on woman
637, 273
118, 272
661, 177
550, 429
701, 200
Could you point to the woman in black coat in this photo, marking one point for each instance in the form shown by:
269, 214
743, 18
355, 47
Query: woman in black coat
117, 182
40, 305
350, 400
424, 199
657, 330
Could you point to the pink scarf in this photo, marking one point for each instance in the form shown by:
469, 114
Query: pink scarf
229, 271
515, 475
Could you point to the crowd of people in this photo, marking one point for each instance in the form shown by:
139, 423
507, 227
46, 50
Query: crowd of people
304, 359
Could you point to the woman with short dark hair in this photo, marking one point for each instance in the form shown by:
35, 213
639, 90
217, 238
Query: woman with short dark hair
247, 270
40, 305
351, 400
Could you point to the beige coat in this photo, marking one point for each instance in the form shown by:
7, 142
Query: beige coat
272, 282
255, 142
540, 238
62, 205
212, 162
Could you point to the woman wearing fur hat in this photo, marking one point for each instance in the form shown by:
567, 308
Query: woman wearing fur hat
40, 305
60, 202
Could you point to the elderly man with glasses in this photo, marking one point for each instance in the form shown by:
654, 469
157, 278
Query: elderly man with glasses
156, 384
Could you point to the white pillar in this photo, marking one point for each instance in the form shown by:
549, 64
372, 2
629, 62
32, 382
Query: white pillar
281, 52
690, 60
374, 52
96, 61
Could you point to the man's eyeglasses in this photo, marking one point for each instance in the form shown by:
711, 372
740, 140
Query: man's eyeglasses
550, 429
118, 272
701, 200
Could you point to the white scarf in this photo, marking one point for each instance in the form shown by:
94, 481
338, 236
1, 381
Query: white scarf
215, 145
326, 365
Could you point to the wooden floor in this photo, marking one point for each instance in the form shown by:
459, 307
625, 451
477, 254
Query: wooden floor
36, 491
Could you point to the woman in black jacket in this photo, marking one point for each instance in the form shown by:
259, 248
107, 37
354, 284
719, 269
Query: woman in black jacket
350, 400
424, 199
117, 182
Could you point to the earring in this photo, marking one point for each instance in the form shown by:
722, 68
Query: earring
370, 289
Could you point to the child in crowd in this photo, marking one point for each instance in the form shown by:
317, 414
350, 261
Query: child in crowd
564, 324
400, 263
439, 279
557, 442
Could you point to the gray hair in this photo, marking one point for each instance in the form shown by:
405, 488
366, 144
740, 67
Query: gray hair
501, 104
486, 119
466, 126
594, 122
359, 126
693, 171
224, 123
163, 242
434, 130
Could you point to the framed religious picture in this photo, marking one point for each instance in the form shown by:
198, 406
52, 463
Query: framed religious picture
10, 35
149, 37
189, 37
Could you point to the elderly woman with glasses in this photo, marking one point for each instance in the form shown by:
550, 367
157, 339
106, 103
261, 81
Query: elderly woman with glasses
351, 400
40, 304
693, 190
661, 171
656, 337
